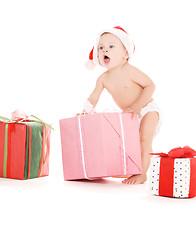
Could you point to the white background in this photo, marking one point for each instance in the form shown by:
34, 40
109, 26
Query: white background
43, 49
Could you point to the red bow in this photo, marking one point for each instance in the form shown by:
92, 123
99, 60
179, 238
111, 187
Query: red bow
185, 152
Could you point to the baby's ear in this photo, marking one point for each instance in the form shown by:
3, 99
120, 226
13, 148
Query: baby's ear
126, 56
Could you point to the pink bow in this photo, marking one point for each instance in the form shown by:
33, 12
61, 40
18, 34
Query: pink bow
18, 115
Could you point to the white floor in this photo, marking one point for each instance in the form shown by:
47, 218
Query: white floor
50, 208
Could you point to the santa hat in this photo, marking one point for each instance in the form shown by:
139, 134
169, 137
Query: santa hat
118, 32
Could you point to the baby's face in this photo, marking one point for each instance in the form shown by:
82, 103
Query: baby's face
111, 51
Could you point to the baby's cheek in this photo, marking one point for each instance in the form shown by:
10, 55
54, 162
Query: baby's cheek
100, 61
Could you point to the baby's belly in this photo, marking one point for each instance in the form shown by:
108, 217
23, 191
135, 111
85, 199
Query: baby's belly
124, 100
125, 94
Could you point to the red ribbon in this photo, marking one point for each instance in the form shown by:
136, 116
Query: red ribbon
185, 152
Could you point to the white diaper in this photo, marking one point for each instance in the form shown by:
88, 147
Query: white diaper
152, 107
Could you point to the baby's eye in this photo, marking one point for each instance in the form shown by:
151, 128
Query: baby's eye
101, 48
111, 46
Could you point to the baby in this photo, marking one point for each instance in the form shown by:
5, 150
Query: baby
130, 88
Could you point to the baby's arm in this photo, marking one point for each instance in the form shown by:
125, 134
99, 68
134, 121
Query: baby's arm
146, 83
148, 89
94, 97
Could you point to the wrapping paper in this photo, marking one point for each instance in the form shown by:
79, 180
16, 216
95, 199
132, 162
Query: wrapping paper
24, 149
174, 174
100, 145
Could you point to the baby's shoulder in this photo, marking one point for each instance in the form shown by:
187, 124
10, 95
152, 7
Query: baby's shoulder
101, 79
103, 76
133, 71
132, 68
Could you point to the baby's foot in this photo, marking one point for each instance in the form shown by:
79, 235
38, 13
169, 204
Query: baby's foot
135, 179
123, 176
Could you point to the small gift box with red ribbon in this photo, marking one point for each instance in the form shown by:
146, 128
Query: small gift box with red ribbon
24, 147
174, 174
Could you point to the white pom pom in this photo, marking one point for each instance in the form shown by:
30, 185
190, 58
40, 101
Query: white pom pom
90, 65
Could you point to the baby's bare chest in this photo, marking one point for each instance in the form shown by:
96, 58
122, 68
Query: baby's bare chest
120, 85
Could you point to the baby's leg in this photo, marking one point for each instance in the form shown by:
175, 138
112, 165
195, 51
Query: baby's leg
147, 131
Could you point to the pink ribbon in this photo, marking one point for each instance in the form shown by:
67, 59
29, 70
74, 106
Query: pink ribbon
18, 115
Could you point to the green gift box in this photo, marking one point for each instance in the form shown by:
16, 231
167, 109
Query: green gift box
24, 149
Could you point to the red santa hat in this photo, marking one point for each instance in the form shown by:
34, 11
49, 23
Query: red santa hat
118, 32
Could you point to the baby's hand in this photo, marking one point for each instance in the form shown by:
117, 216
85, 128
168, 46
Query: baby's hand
83, 113
135, 110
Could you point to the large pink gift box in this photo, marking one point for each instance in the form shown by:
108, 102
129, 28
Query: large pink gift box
100, 145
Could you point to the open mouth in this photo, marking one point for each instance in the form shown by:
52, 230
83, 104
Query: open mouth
106, 59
